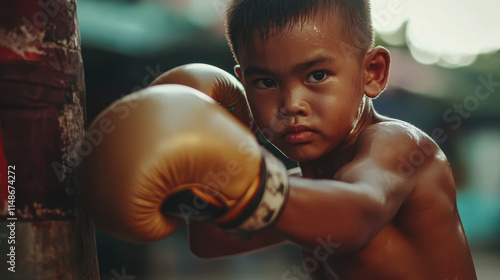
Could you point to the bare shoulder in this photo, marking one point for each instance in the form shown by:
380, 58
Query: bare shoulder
401, 140
413, 153
408, 151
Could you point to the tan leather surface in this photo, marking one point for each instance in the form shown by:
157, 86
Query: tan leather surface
214, 82
158, 141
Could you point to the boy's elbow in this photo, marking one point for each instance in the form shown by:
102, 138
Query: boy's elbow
370, 226
377, 213
350, 238
203, 253
206, 250
362, 230
359, 238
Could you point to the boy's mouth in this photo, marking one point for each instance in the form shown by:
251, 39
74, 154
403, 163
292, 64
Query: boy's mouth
298, 134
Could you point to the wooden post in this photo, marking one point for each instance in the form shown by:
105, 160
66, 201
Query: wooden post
44, 233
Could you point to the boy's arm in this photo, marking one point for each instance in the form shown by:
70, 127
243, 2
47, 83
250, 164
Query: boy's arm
207, 240
364, 196
348, 211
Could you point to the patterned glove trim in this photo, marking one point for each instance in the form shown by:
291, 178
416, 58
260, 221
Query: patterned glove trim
275, 186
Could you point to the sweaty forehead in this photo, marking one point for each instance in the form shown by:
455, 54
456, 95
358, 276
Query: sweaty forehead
294, 39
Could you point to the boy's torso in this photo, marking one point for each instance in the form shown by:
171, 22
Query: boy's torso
425, 240
435, 251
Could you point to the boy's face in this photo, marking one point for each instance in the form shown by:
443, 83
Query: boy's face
305, 87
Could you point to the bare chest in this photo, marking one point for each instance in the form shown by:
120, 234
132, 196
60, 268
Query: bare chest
389, 255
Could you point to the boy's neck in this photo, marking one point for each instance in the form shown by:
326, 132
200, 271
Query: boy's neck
327, 165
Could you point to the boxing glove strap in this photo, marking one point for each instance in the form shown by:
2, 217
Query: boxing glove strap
267, 205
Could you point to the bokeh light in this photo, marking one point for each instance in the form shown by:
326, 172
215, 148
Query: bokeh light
450, 33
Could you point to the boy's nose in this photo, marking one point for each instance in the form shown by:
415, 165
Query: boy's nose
294, 103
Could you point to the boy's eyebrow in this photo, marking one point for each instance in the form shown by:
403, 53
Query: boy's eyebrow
320, 59
254, 70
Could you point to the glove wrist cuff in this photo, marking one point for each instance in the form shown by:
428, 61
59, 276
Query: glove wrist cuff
267, 205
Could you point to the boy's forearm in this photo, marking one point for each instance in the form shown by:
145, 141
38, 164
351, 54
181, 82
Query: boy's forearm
207, 240
316, 212
319, 211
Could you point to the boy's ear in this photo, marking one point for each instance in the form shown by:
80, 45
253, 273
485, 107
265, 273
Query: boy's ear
237, 71
377, 71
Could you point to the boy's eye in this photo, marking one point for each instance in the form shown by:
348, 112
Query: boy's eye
265, 83
316, 77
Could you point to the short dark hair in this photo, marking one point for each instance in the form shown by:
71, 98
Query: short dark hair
245, 16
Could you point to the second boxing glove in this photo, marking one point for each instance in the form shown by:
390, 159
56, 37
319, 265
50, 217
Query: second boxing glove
214, 82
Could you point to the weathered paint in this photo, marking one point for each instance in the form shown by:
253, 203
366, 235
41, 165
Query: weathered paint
42, 96
42, 117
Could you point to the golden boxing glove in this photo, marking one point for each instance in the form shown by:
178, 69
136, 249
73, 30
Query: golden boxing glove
167, 140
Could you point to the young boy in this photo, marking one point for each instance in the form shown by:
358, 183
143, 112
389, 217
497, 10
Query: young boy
377, 196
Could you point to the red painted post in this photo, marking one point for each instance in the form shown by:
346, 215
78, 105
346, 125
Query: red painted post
44, 233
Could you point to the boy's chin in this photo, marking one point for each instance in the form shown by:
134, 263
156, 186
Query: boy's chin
300, 155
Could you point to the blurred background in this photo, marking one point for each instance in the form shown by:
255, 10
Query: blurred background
444, 79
